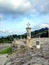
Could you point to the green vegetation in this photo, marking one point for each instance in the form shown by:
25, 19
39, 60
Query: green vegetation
42, 33
6, 51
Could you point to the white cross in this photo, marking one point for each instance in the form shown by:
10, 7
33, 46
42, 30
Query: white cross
28, 24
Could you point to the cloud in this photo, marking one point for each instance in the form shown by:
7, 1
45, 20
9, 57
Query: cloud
44, 25
6, 31
1, 17
40, 26
21, 7
14, 6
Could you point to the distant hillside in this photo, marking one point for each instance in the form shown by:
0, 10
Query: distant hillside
42, 33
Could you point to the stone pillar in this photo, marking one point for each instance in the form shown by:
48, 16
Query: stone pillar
28, 35
28, 31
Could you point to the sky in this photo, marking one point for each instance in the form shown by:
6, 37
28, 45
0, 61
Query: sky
15, 14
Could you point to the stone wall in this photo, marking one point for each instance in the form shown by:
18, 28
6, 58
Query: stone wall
41, 40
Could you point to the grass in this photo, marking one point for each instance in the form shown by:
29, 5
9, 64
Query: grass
6, 51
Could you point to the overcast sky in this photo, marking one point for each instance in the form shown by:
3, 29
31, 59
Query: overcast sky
15, 14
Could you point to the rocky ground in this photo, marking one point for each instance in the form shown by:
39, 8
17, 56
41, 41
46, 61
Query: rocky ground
3, 59
31, 56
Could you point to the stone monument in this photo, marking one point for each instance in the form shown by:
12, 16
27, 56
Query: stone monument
37, 44
29, 44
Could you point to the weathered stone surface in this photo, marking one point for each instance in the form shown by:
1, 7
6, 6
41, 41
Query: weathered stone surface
31, 56
3, 59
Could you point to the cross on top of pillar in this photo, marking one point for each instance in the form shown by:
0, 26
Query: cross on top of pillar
28, 24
